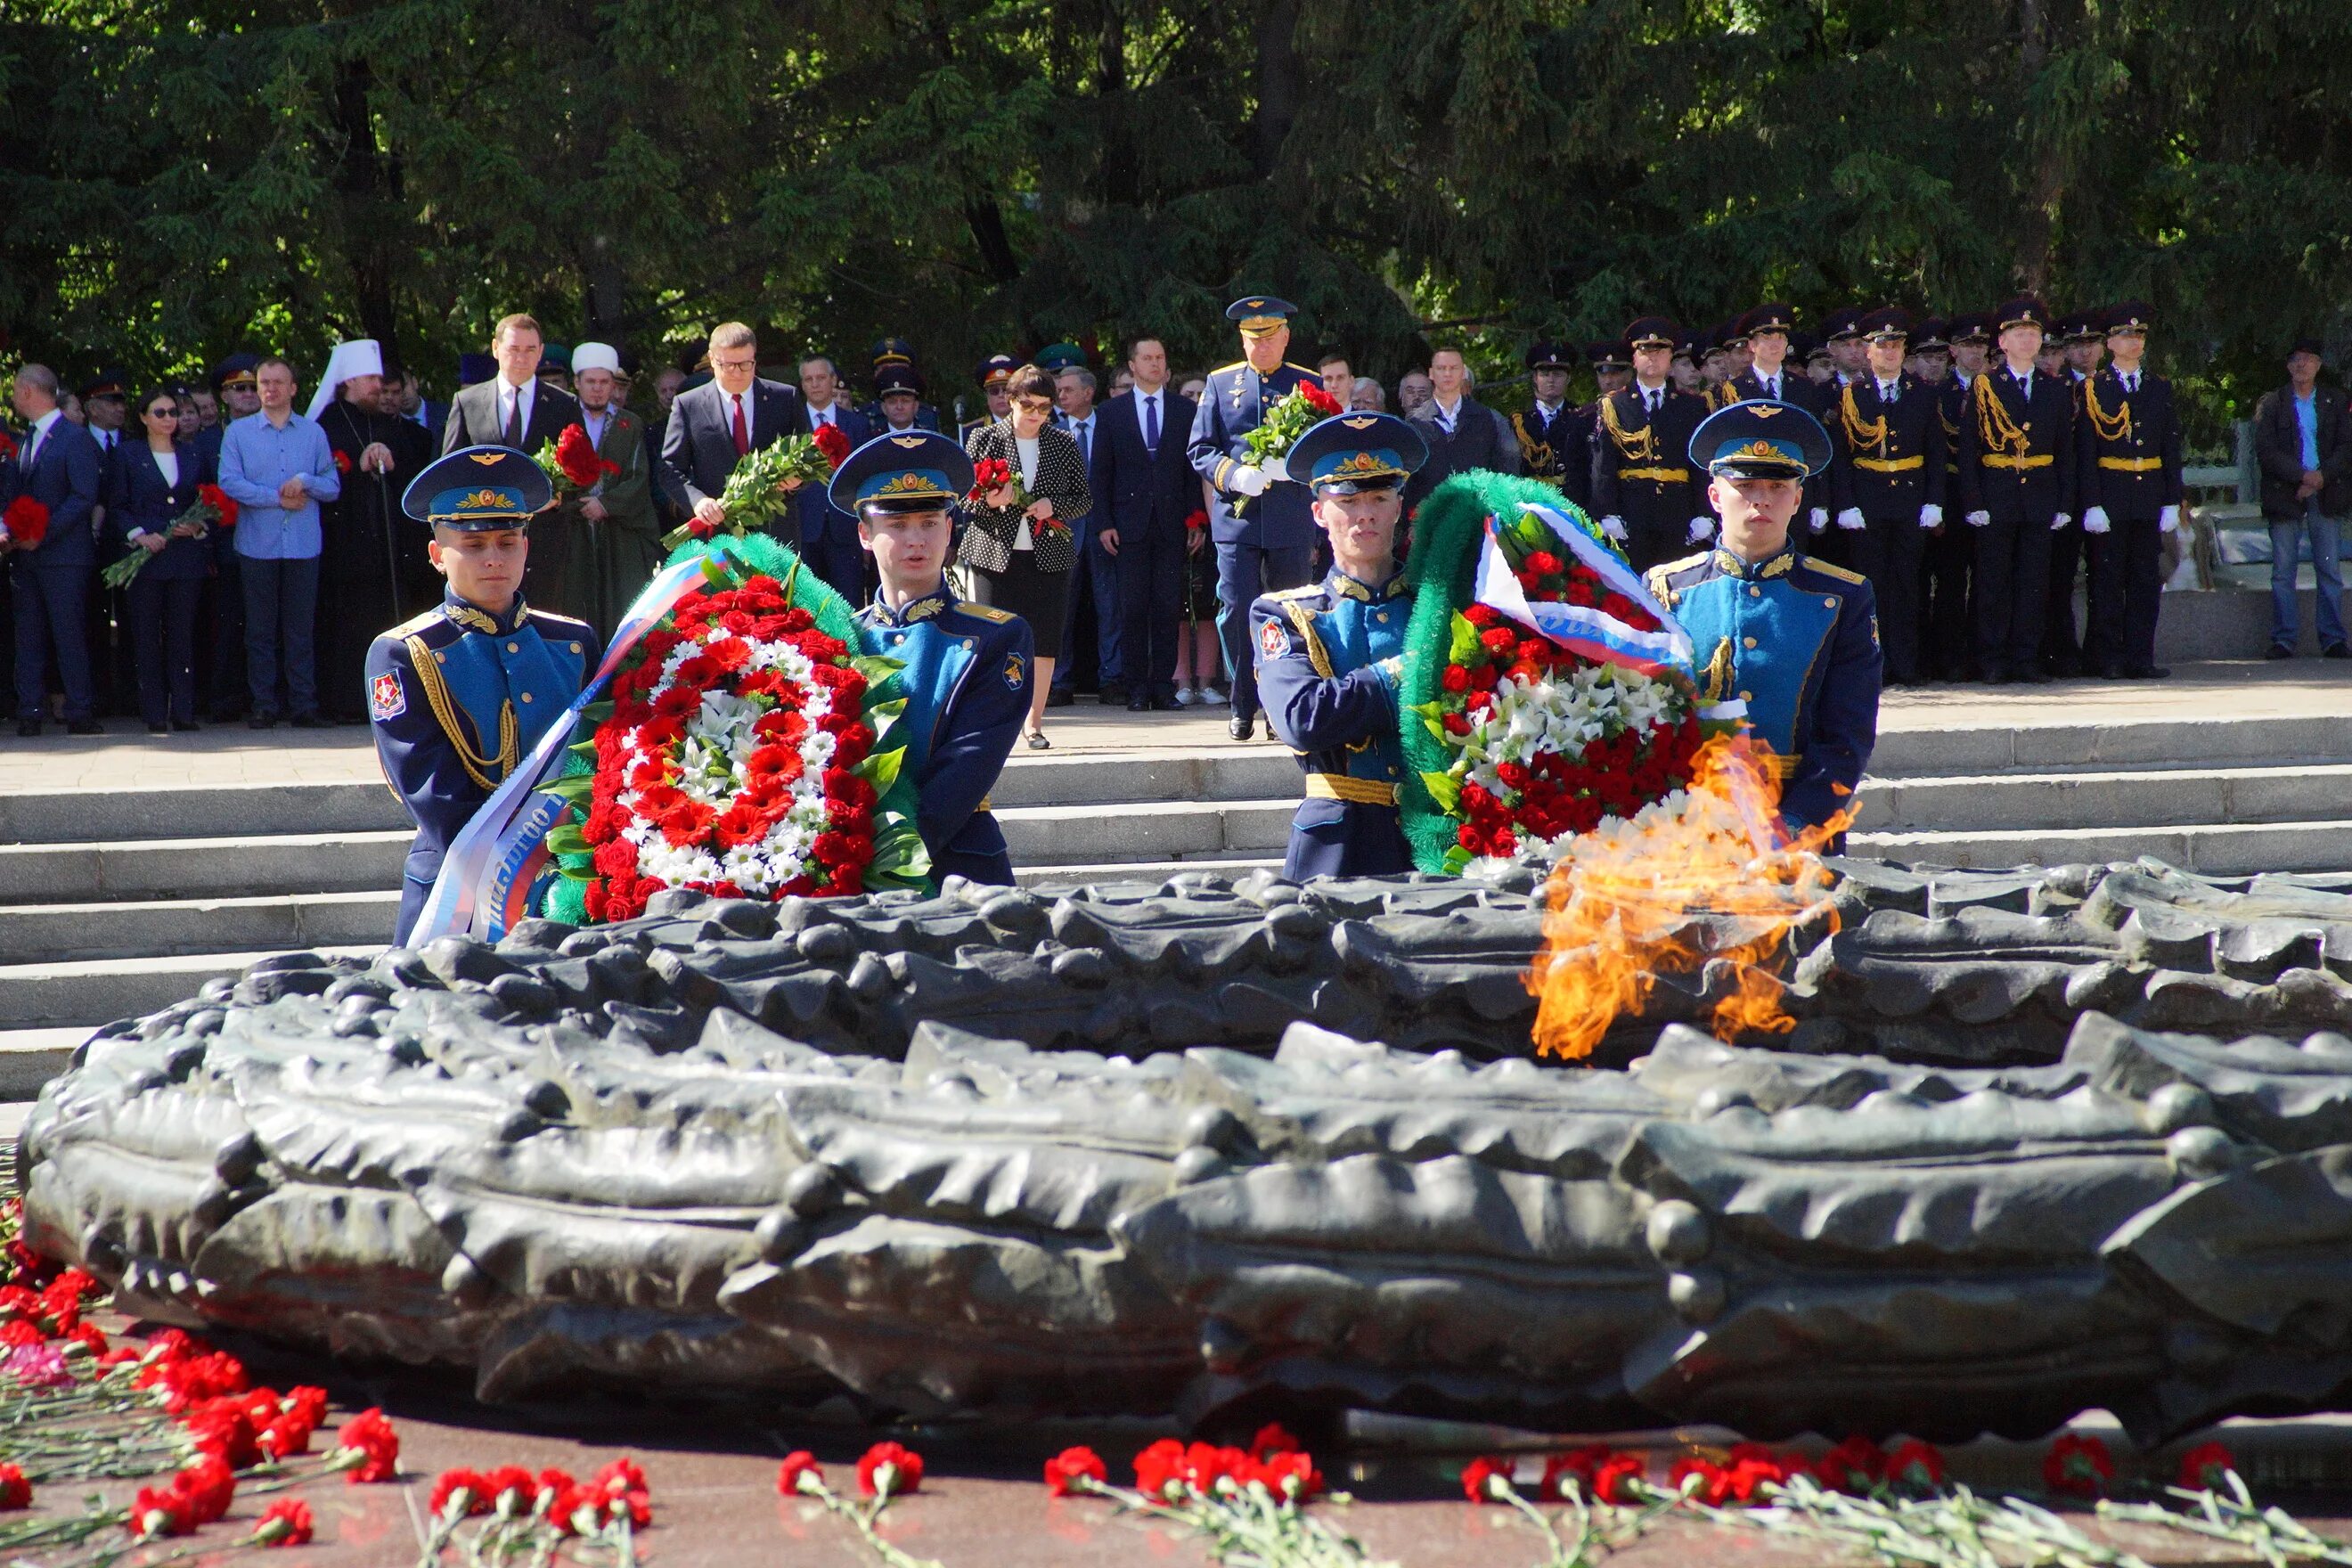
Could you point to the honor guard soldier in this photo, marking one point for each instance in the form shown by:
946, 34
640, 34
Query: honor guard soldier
2017, 487
1551, 441
1947, 609
2081, 345
995, 373
1264, 532
966, 667
2129, 460
1889, 483
897, 375
1328, 655
1643, 491
459, 695
1793, 639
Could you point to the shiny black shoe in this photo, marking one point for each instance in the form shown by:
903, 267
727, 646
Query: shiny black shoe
1242, 727
1138, 703
1114, 694
2336, 650
2148, 672
2278, 650
1165, 703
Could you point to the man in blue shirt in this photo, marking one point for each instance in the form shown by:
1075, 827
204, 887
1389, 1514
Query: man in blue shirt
278, 467
2303, 441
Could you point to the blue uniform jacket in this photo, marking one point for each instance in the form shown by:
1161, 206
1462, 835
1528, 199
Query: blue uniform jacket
137, 497
1328, 658
1797, 640
1231, 405
459, 697
966, 682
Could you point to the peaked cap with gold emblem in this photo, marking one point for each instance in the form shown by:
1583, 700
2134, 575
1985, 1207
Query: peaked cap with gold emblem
478, 490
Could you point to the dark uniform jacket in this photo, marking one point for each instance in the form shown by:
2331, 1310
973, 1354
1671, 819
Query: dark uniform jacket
1890, 460
459, 697
1234, 404
1796, 641
1554, 449
966, 680
2017, 447
2278, 447
1796, 387
1329, 657
1641, 464
1480, 438
2129, 455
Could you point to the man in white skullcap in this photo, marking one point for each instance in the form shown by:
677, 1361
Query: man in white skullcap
620, 544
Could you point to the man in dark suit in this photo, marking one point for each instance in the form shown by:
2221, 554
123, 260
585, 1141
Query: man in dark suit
2132, 491
58, 464
828, 541
1144, 489
1888, 483
1644, 492
517, 410
713, 425
2303, 441
2017, 487
1462, 432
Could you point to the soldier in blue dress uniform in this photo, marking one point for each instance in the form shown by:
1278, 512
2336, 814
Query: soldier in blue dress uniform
1264, 534
1328, 655
459, 695
1793, 639
966, 667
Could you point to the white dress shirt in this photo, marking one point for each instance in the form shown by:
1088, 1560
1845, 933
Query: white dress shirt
514, 407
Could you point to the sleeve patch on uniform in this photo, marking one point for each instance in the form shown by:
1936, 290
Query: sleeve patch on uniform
1015, 676
387, 699
1272, 640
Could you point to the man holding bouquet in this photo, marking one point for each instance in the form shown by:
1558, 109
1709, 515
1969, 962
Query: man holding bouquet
1328, 655
1264, 532
966, 669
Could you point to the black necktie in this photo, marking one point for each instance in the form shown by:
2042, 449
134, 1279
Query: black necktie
514, 419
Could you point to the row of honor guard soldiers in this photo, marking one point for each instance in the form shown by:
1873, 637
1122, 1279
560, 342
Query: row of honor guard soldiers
1974, 497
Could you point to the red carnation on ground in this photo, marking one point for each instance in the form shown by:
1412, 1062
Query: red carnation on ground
1160, 1470
466, 1491
2078, 1466
1856, 1465
15, 1491
799, 1473
1066, 1471
28, 522
833, 443
890, 1470
1713, 1481
367, 1449
1486, 1477
2204, 1469
286, 1523
1915, 1467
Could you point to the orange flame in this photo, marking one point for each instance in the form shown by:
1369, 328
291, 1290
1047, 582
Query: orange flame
1650, 895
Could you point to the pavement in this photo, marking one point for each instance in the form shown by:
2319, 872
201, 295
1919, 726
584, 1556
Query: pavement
129, 756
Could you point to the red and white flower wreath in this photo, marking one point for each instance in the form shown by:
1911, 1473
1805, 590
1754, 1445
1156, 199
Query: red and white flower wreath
730, 764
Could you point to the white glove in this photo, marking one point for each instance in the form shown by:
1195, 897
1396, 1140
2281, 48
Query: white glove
1275, 468
1248, 480
2168, 520
1931, 515
1979, 520
1850, 519
1821, 519
2061, 520
1614, 527
1700, 529
2095, 521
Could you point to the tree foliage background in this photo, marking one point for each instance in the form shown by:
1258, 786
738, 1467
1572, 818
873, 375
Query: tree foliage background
180, 181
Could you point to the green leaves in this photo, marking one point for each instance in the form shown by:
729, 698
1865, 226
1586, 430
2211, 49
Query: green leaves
880, 769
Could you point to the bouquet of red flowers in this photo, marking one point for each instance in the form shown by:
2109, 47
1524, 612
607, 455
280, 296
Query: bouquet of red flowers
755, 494
571, 463
27, 523
211, 505
991, 474
1289, 419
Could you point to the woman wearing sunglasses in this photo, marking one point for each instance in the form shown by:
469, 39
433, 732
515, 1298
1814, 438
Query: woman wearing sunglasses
150, 485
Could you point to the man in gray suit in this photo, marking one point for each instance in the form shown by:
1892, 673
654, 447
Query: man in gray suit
514, 408
713, 425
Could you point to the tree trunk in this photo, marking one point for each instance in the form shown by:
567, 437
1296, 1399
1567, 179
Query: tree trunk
365, 180
1281, 80
2048, 177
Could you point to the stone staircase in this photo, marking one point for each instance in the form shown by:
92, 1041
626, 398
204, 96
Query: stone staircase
117, 902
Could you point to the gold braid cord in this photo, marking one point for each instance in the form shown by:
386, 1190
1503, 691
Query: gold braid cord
1858, 434
1999, 433
2105, 427
445, 713
1638, 446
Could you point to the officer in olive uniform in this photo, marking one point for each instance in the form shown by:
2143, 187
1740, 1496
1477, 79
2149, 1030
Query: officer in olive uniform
1263, 531
1551, 442
966, 667
1792, 639
1889, 482
2129, 460
1643, 488
1328, 655
459, 695
2017, 490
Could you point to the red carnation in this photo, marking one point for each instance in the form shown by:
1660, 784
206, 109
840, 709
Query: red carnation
2078, 1465
988, 474
1196, 521
15, 1491
2204, 1469
367, 1448
800, 1472
1456, 679
576, 454
461, 1491
286, 1523
224, 507
889, 1470
343, 462
1067, 1471
1486, 1479
833, 443
1320, 401
1856, 1465
28, 522
1915, 1464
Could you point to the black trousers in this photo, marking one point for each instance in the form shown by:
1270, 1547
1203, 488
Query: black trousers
2126, 593
1151, 563
163, 615
2062, 642
1654, 542
1888, 552
2012, 587
1946, 615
